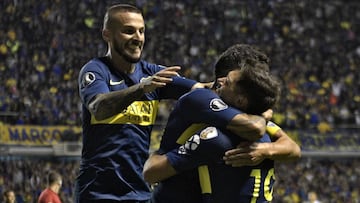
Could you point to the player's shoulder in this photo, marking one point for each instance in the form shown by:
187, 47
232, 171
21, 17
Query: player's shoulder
201, 92
198, 96
149, 66
94, 64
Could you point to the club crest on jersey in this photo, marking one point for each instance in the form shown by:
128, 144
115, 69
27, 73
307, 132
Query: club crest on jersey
208, 133
87, 79
218, 105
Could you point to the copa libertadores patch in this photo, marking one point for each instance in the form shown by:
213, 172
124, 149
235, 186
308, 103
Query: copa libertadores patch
208, 133
87, 79
218, 105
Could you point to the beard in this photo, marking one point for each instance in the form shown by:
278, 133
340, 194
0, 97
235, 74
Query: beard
122, 53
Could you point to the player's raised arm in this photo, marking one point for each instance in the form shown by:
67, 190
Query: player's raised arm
109, 104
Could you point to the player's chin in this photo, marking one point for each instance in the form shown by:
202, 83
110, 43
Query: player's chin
133, 58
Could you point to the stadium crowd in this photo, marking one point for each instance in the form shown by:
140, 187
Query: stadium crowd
313, 45
333, 182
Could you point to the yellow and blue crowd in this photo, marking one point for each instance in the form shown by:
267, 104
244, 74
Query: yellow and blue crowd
314, 47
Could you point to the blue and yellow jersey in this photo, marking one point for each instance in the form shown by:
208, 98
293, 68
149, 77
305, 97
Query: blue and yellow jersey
250, 184
193, 111
214, 182
116, 148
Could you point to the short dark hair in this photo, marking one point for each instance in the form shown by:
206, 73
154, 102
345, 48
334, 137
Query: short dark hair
53, 177
237, 55
259, 87
108, 20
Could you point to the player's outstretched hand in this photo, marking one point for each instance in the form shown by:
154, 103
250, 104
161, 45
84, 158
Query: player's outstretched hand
160, 79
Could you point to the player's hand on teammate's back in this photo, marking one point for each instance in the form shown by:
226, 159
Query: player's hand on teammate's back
246, 154
160, 79
268, 114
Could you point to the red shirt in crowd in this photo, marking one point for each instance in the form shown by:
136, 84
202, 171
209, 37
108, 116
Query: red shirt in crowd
49, 196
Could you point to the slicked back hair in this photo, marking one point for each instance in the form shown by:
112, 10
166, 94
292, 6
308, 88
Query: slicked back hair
108, 18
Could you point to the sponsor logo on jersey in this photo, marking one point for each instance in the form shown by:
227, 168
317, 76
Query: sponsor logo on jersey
192, 143
139, 113
116, 82
218, 105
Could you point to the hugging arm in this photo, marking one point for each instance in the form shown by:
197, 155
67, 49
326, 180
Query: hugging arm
282, 148
206, 146
157, 167
247, 126
108, 104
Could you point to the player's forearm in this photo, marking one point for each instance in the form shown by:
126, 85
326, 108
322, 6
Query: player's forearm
284, 148
157, 168
250, 127
112, 103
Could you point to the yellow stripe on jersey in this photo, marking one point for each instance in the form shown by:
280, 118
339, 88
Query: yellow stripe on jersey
190, 131
272, 128
204, 178
203, 171
139, 113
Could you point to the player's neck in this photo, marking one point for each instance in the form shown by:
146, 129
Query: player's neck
120, 64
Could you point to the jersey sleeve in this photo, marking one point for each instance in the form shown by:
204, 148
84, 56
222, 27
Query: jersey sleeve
177, 88
205, 147
205, 106
92, 81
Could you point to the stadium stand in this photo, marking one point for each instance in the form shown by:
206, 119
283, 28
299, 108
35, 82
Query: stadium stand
313, 45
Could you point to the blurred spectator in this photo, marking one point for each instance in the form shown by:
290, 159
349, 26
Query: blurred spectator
310, 175
312, 197
51, 192
9, 196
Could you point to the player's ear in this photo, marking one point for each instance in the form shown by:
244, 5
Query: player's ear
241, 102
106, 34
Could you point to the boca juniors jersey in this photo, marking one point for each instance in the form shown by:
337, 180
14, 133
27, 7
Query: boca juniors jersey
248, 184
216, 182
192, 112
116, 148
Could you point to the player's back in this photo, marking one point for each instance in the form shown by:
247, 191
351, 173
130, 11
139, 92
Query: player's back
189, 115
248, 184
181, 188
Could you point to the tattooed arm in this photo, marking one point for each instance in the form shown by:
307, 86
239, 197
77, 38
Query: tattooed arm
109, 104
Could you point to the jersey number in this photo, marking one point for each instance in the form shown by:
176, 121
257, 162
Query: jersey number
256, 173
